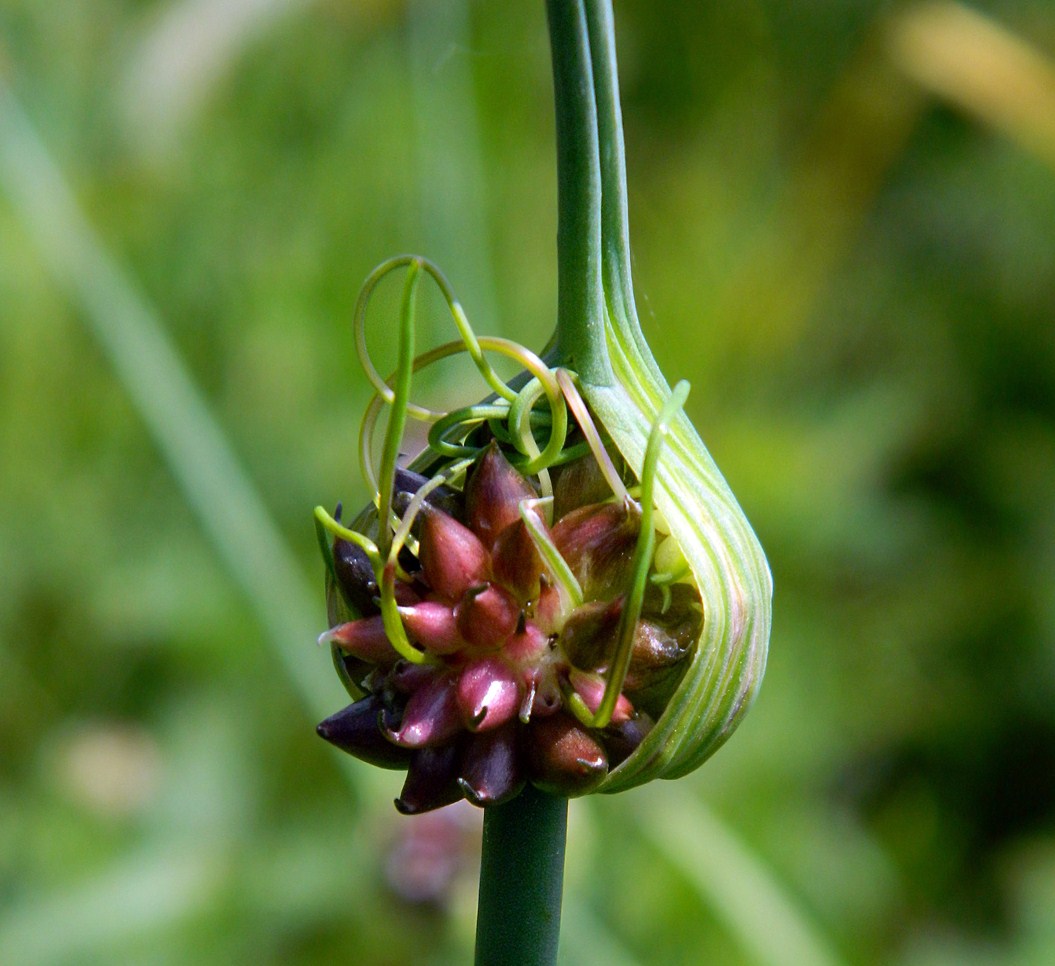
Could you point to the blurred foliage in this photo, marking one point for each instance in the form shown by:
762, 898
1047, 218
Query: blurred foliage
844, 237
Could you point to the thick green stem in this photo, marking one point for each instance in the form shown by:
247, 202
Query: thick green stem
521, 880
595, 288
580, 337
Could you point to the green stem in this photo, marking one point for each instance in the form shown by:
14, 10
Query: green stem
615, 224
580, 337
521, 880
521, 877
595, 287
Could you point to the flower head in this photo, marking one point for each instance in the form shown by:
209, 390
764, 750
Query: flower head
559, 590
513, 671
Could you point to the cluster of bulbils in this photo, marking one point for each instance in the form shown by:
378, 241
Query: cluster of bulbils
513, 666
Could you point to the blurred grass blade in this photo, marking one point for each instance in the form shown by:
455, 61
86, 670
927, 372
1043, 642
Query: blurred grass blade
188, 49
731, 881
146, 363
966, 58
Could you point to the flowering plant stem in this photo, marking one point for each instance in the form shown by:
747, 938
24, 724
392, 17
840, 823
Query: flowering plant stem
521, 877
521, 880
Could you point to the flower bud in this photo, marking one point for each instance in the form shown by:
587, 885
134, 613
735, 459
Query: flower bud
493, 494
452, 557
588, 635
622, 739
355, 577
364, 638
590, 687
443, 498
432, 780
516, 563
577, 484
488, 694
598, 543
492, 769
564, 759
432, 625
355, 730
486, 616
431, 716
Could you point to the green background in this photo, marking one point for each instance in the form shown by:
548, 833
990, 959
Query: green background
843, 225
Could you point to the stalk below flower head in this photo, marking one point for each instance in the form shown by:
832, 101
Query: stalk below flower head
558, 590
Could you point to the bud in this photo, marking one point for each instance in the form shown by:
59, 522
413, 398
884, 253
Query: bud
564, 758
529, 613
432, 625
590, 687
364, 639
431, 716
432, 780
516, 563
578, 483
622, 739
453, 559
486, 616
598, 543
488, 694
492, 767
355, 730
493, 495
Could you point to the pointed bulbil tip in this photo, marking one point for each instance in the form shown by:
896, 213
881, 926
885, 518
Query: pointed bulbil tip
493, 494
621, 740
452, 557
355, 576
431, 716
432, 780
407, 483
492, 769
364, 638
577, 484
549, 608
589, 634
591, 687
431, 624
355, 730
526, 648
515, 561
654, 650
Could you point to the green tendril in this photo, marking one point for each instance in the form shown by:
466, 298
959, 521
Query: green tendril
458, 424
363, 542
472, 346
567, 585
469, 341
394, 630
397, 417
641, 560
569, 453
321, 535
442, 440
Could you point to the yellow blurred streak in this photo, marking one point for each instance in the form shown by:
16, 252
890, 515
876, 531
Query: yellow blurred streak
935, 49
859, 133
968, 59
